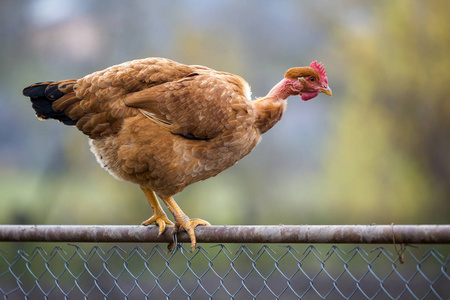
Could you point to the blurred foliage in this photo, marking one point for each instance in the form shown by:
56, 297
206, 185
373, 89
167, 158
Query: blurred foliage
376, 152
389, 155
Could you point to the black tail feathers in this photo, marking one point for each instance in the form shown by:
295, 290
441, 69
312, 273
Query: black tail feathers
43, 95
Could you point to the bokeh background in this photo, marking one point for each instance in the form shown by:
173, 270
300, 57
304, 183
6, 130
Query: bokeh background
377, 151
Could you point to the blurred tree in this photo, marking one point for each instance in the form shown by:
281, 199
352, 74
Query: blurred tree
390, 156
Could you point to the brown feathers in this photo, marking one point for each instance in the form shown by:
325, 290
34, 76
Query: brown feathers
156, 122
294, 73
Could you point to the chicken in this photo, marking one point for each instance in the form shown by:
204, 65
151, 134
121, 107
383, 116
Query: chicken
165, 125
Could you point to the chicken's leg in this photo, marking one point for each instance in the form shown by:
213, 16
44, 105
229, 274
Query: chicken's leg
183, 222
159, 217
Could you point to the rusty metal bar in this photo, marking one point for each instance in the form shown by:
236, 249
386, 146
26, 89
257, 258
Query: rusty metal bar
336, 234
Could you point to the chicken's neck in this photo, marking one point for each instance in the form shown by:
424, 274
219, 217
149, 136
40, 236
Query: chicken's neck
270, 109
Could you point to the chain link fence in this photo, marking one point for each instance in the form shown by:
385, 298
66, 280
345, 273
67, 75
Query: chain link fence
223, 271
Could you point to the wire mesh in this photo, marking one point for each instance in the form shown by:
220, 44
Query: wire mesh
148, 271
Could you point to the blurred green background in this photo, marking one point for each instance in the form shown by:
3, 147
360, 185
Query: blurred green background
378, 151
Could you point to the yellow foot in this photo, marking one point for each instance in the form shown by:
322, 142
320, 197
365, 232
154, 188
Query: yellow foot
183, 222
160, 220
189, 226
159, 217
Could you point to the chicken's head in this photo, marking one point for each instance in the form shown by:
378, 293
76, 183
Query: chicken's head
308, 82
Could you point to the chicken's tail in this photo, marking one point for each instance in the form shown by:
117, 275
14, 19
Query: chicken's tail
55, 100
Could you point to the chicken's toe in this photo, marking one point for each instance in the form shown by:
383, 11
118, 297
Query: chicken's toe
189, 227
160, 220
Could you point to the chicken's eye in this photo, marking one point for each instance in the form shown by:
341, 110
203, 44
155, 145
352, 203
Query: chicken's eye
312, 79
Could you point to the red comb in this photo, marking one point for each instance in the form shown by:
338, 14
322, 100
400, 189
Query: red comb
319, 68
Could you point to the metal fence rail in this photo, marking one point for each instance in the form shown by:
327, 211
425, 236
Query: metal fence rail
225, 271
356, 234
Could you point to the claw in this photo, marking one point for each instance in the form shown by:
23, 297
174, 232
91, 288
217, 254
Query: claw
189, 227
159, 217
174, 243
160, 220
183, 222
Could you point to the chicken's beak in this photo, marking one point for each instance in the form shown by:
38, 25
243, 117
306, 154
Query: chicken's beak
326, 90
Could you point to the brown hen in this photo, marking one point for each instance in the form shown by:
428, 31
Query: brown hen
165, 125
